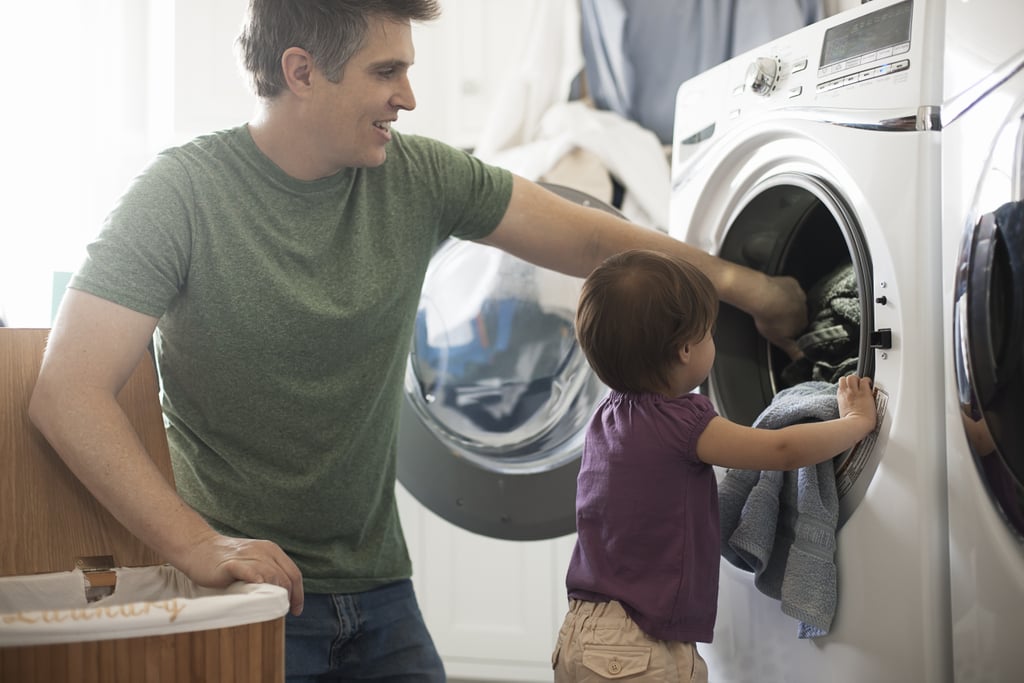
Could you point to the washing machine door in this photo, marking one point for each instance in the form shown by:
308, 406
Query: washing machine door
988, 324
799, 225
497, 393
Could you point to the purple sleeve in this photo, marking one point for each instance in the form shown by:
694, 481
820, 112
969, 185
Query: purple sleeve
693, 413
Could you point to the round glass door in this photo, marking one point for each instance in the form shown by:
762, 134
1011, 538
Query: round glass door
798, 225
497, 392
494, 368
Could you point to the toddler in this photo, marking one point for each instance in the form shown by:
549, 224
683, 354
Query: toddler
643, 579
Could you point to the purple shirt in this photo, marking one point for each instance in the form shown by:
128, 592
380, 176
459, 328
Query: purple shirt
647, 515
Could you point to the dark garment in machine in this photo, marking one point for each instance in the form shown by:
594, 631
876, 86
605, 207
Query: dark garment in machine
831, 342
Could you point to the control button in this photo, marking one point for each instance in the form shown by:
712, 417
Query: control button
795, 92
738, 90
901, 48
883, 53
869, 57
799, 66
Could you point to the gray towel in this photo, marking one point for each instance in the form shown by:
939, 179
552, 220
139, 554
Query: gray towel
782, 525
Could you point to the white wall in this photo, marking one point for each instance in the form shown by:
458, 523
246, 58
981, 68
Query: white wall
834, 6
73, 123
210, 91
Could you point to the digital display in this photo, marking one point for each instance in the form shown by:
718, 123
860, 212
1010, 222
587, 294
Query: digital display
872, 32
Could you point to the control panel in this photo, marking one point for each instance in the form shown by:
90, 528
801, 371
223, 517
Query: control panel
875, 66
865, 48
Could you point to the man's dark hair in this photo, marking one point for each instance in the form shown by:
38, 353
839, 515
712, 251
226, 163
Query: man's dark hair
329, 30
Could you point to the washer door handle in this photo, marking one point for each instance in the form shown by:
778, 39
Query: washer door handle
881, 339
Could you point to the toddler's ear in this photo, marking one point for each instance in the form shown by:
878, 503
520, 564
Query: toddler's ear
684, 354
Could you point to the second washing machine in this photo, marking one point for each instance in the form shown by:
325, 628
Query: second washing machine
983, 288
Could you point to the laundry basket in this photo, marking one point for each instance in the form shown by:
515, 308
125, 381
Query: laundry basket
81, 599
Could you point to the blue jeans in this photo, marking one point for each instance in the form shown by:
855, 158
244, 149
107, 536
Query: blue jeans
378, 635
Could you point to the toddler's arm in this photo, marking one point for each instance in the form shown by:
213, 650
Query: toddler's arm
727, 444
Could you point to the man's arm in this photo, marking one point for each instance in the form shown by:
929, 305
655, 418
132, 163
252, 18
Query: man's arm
549, 231
92, 350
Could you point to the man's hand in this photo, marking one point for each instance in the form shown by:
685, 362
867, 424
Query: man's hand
217, 561
782, 313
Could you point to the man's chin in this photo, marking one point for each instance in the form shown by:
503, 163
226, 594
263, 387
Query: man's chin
374, 160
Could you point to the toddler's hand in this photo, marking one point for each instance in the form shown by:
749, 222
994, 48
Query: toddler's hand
857, 400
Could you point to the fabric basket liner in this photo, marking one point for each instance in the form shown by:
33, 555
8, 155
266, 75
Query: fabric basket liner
43, 609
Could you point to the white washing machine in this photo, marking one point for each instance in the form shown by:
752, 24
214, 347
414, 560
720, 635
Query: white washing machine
815, 154
983, 285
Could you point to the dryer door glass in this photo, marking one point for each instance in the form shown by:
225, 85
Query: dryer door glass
988, 327
497, 392
494, 368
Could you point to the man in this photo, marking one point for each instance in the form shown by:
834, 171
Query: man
279, 265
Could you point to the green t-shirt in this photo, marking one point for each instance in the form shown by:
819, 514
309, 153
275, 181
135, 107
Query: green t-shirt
286, 310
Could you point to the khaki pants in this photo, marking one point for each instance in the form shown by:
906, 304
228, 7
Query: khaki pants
599, 642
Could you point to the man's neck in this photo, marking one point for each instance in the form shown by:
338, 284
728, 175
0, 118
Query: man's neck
284, 140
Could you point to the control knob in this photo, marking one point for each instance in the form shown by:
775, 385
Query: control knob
763, 75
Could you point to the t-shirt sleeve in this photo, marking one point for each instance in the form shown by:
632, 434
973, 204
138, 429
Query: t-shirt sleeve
140, 258
473, 195
693, 413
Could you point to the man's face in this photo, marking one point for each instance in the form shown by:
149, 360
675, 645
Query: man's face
353, 117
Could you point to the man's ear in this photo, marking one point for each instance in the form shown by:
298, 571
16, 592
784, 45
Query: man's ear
297, 66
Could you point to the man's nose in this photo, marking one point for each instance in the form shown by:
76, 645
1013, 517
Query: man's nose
403, 98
